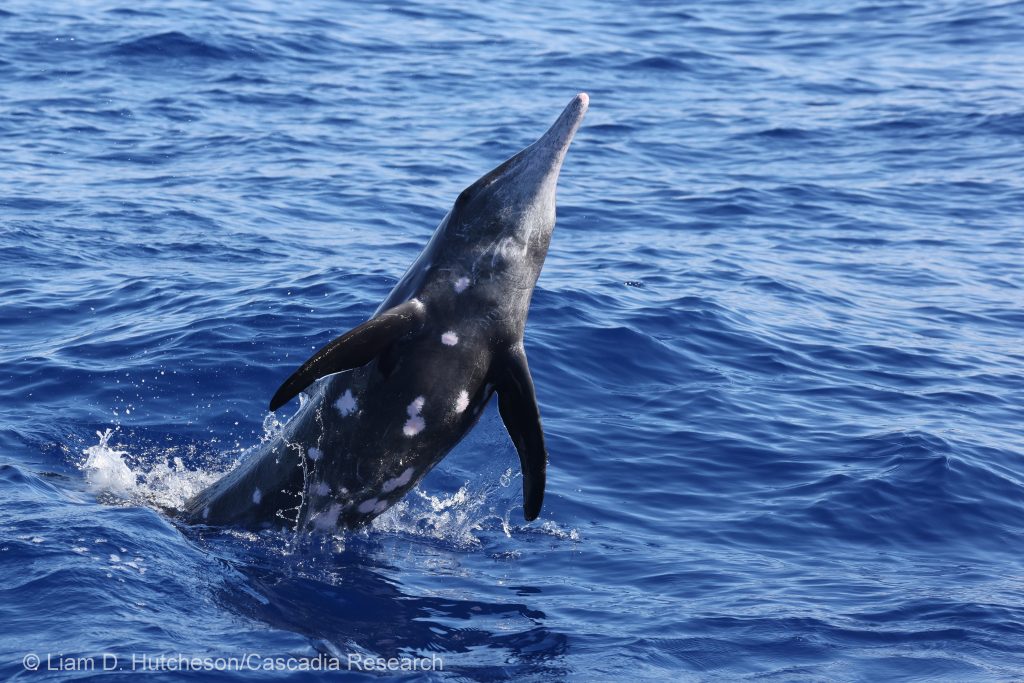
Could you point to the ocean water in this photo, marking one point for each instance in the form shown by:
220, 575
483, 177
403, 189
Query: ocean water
777, 342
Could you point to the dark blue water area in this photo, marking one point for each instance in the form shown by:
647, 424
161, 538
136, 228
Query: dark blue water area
777, 342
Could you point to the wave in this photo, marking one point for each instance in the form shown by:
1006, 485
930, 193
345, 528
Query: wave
178, 46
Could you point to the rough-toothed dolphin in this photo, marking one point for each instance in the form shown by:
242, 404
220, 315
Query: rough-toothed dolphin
399, 391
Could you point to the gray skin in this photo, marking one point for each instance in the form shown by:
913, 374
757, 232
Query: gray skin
389, 399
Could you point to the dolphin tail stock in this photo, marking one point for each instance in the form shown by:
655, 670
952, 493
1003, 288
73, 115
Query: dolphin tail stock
517, 404
353, 349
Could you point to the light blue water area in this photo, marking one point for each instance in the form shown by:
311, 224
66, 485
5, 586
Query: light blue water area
777, 343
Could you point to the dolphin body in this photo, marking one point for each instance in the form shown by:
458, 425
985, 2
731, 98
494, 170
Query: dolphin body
398, 392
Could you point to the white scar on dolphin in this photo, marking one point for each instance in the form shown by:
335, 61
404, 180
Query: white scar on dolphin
391, 397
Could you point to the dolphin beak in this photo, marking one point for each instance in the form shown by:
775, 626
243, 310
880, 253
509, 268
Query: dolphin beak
537, 167
556, 141
533, 173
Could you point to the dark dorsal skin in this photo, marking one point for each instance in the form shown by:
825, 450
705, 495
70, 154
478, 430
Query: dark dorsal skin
389, 399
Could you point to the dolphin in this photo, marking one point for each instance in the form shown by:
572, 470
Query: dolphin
387, 400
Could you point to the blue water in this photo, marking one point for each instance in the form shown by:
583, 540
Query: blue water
777, 342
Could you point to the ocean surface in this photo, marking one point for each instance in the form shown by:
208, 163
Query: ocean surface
778, 342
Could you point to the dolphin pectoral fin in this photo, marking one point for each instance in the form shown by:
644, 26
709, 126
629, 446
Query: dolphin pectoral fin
517, 404
354, 348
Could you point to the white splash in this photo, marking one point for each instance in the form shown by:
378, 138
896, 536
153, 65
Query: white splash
553, 529
155, 477
346, 405
257, 496
462, 402
461, 284
106, 470
449, 338
470, 516
455, 518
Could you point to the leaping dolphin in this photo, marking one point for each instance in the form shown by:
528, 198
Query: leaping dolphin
397, 393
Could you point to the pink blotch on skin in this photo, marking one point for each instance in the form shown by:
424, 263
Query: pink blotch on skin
346, 405
415, 424
328, 520
401, 480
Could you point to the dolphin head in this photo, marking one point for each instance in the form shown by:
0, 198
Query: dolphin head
509, 213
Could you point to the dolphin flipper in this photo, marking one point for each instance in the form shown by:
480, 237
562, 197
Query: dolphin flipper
517, 404
354, 348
